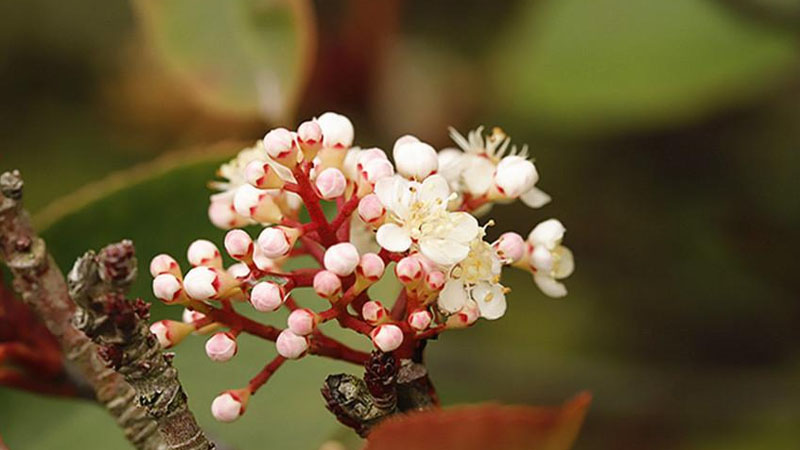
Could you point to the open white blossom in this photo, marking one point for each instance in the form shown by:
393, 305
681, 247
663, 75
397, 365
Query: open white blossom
476, 279
550, 260
481, 159
418, 218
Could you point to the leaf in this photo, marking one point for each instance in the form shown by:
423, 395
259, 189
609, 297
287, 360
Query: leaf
484, 426
608, 66
242, 57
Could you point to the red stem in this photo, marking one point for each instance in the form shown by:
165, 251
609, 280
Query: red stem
310, 198
264, 375
345, 211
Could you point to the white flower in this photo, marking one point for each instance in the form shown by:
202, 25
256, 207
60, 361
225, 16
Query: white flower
418, 216
483, 162
550, 260
414, 159
476, 278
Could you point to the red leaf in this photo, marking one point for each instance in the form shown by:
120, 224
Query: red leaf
483, 427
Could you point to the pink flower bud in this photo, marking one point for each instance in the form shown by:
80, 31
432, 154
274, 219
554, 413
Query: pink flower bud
414, 159
435, 280
337, 130
510, 247
204, 283
302, 322
367, 155
371, 267
387, 337
290, 345
331, 183
262, 262
420, 319
373, 312
408, 270
190, 316
239, 245
279, 144
204, 253
170, 333
514, 176
341, 259
309, 133
256, 204
221, 347
466, 317
222, 214
277, 242
167, 288
239, 271
371, 210
164, 263
376, 169
327, 284
261, 175
229, 405
266, 296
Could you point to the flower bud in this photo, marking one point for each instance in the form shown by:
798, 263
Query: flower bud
222, 214
510, 247
239, 271
408, 270
368, 155
204, 283
327, 284
415, 159
262, 262
261, 175
302, 321
256, 204
203, 253
371, 210
337, 130
420, 319
435, 280
371, 267
466, 317
374, 170
163, 263
387, 337
309, 135
170, 333
290, 345
280, 146
331, 183
514, 176
167, 288
239, 245
373, 312
230, 405
277, 242
221, 347
266, 296
341, 259
190, 316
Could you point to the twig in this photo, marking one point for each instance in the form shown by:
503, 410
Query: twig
41, 286
98, 284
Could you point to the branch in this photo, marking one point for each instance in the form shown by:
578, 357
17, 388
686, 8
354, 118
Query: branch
41, 286
98, 284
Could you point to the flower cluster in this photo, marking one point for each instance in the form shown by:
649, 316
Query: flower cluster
413, 217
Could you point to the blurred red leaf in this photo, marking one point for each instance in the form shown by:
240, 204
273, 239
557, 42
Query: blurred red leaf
484, 426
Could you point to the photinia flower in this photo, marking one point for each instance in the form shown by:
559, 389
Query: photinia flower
550, 260
418, 218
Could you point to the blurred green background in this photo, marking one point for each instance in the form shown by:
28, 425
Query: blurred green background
667, 131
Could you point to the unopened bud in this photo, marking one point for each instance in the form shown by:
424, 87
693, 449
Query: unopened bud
337, 130
204, 283
170, 333
341, 259
203, 252
164, 263
510, 247
290, 345
221, 347
167, 288
371, 210
408, 270
466, 317
373, 312
435, 280
256, 204
371, 267
309, 135
222, 214
420, 319
230, 405
277, 242
239, 245
514, 176
261, 175
302, 322
331, 183
266, 296
415, 160
280, 146
327, 284
387, 337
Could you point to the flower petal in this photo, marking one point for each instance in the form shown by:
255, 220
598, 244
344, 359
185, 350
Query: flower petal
464, 227
566, 263
542, 259
548, 233
434, 191
490, 299
389, 190
535, 198
453, 297
393, 238
478, 175
442, 251
549, 286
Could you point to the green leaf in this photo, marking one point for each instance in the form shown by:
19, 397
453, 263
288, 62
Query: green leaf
608, 66
242, 57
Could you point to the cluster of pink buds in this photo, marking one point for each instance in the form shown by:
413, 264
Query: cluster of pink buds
414, 219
